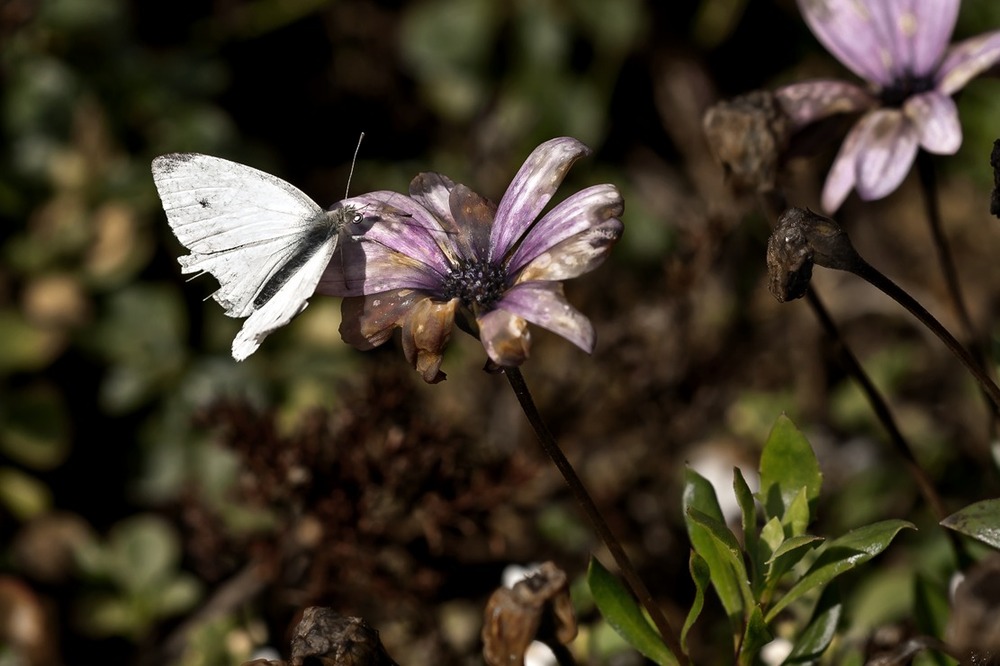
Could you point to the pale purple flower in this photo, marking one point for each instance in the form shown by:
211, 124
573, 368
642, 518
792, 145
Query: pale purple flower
900, 48
444, 253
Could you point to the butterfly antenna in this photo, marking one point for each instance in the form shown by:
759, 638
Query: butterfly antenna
354, 160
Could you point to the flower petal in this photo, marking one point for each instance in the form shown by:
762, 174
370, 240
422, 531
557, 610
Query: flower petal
886, 151
425, 333
473, 215
402, 224
966, 60
576, 215
368, 321
543, 304
433, 192
362, 265
809, 101
532, 188
928, 33
840, 181
505, 336
853, 34
575, 255
935, 117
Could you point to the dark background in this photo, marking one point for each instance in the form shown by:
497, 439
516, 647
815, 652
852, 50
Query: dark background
143, 472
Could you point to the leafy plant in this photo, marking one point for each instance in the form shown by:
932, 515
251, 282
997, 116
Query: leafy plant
774, 564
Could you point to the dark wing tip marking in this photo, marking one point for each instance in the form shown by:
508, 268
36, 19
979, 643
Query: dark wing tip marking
167, 163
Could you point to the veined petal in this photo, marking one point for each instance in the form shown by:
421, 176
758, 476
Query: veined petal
575, 215
809, 101
532, 188
360, 266
433, 192
929, 33
402, 224
543, 304
849, 30
575, 255
966, 60
505, 337
473, 216
368, 321
935, 118
840, 181
886, 151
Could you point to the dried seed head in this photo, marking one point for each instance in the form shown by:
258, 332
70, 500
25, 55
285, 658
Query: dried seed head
328, 638
750, 135
800, 239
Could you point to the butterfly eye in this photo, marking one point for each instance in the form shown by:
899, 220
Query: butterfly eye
358, 218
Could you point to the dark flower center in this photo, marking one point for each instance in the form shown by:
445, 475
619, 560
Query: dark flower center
478, 285
904, 87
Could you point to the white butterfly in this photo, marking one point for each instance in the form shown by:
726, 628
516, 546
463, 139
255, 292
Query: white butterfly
265, 241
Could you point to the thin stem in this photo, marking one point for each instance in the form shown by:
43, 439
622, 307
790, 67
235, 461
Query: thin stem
928, 181
583, 498
878, 404
866, 271
773, 203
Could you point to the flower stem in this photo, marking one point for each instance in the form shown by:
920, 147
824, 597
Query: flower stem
928, 182
583, 498
771, 205
867, 272
878, 405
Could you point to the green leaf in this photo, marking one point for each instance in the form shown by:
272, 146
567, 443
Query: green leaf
817, 636
729, 548
795, 543
756, 636
980, 521
700, 574
622, 612
841, 555
748, 514
699, 495
796, 517
786, 556
787, 464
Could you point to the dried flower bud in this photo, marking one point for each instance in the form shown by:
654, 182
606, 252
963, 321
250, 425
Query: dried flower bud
800, 239
327, 638
750, 135
537, 607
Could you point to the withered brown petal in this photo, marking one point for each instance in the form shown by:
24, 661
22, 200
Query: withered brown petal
426, 330
539, 607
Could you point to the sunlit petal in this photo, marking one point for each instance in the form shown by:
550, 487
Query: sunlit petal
935, 118
809, 101
543, 304
531, 189
885, 154
849, 30
582, 212
966, 60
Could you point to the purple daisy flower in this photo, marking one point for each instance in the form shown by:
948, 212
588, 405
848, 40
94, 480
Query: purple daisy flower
445, 254
900, 47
